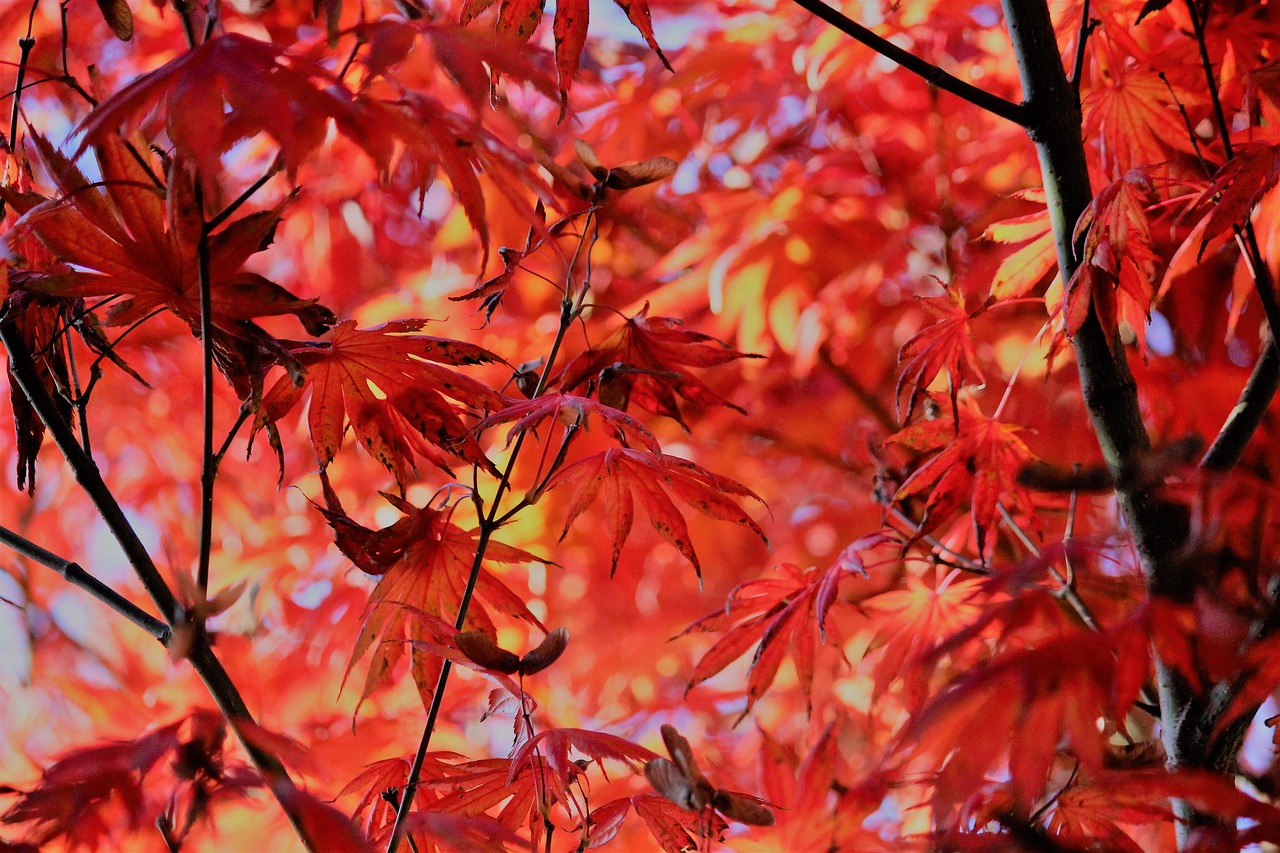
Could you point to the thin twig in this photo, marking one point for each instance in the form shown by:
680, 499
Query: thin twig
206, 664
931, 73
1087, 27
208, 464
1066, 589
569, 309
70, 78
74, 574
1260, 389
229, 211
79, 399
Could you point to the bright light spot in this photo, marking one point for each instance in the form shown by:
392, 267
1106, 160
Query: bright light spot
538, 579
295, 525
1159, 334
357, 224
377, 392
820, 539
797, 250
642, 689
573, 587
736, 178
312, 595
386, 515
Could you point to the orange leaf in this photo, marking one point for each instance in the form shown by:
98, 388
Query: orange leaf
388, 384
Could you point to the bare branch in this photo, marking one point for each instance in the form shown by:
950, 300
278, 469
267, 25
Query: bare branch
931, 73
74, 574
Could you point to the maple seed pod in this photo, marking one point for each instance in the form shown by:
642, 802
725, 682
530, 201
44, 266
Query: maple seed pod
480, 648
740, 808
547, 652
681, 782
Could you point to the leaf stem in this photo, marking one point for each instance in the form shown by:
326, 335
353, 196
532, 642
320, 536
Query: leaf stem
931, 73
76, 575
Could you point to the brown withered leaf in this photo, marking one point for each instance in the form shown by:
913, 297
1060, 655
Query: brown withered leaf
118, 17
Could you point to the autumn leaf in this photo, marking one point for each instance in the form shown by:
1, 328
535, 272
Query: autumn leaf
389, 385
1236, 190
79, 794
979, 462
233, 87
625, 475
1114, 276
1006, 709
520, 19
947, 345
1095, 806
319, 820
136, 241
38, 325
568, 411
646, 363
912, 622
1024, 268
775, 615
424, 561
385, 775
554, 747
1130, 110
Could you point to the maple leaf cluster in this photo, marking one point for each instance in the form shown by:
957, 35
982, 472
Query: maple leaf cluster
967, 441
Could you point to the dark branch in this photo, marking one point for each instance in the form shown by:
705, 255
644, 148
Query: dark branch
206, 664
74, 574
931, 73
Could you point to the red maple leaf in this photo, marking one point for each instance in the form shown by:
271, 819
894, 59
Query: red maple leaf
1021, 709
646, 363
1130, 109
138, 238
774, 614
1026, 266
85, 793
625, 475
233, 87
1114, 276
551, 749
977, 458
1236, 189
388, 384
945, 345
425, 561
569, 411
521, 17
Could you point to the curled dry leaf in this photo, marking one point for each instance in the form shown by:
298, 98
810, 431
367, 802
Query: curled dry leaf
118, 17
